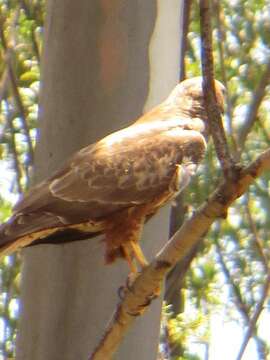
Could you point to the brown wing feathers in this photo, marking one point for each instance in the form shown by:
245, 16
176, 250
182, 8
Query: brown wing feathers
129, 168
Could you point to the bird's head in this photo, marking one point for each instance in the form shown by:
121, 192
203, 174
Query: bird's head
188, 97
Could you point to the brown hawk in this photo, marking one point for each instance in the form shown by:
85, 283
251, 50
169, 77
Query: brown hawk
116, 184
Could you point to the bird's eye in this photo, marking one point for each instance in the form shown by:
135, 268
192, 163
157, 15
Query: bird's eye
224, 91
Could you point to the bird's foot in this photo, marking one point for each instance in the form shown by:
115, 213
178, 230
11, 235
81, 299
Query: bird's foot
122, 291
142, 307
128, 288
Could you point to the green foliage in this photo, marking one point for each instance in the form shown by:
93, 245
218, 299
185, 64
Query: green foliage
232, 263
20, 45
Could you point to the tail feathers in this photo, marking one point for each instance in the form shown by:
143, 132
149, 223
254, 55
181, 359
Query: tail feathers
22, 230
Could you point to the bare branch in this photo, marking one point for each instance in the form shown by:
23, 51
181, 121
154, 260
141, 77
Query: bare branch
3, 85
255, 317
175, 277
252, 114
265, 132
220, 44
256, 237
238, 299
146, 284
9, 125
28, 12
15, 89
15, 155
213, 113
183, 41
241, 306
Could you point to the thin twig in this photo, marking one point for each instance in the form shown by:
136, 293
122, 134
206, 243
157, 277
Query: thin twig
252, 114
239, 301
25, 6
256, 237
136, 300
255, 317
174, 280
11, 142
213, 113
264, 131
184, 31
4, 85
9, 125
221, 34
15, 89
241, 306
14, 152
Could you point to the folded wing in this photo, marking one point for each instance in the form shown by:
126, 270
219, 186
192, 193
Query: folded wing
128, 168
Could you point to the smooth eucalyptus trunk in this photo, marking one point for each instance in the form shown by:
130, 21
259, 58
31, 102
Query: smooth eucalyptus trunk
104, 63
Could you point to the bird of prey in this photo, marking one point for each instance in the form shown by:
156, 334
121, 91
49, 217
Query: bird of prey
115, 185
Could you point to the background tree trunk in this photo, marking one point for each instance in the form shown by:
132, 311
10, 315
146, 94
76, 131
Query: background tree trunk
104, 63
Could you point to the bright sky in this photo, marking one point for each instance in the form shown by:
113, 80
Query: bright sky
226, 339
226, 336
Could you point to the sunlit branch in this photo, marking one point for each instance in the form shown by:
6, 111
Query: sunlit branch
241, 306
264, 131
255, 317
213, 113
139, 295
174, 279
221, 40
256, 237
3, 85
8, 287
28, 13
184, 31
237, 296
252, 114
14, 152
17, 97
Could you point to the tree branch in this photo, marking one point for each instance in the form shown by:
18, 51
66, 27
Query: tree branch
136, 300
255, 317
252, 114
14, 152
242, 307
221, 35
213, 113
174, 279
257, 241
15, 89
183, 41
30, 15
240, 304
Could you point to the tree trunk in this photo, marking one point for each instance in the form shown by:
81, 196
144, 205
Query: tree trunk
104, 63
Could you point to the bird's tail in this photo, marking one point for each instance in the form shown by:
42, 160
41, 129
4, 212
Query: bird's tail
23, 230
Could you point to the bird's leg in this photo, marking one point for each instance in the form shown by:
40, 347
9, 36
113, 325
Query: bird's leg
137, 251
134, 248
133, 255
131, 249
122, 235
133, 272
130, 260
